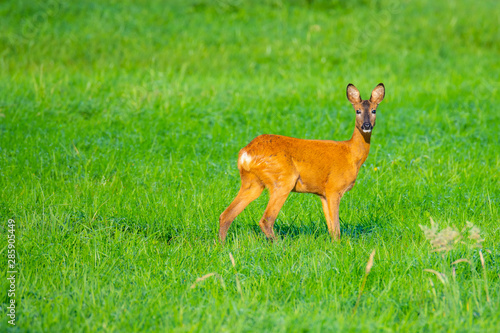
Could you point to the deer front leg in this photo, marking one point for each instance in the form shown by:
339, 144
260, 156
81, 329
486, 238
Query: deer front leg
331, 209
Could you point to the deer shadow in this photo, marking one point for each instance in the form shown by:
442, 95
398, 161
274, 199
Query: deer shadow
318, 229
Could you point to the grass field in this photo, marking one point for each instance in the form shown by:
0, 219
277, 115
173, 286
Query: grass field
120, 125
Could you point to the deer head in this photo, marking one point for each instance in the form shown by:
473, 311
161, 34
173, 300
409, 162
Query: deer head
366, 110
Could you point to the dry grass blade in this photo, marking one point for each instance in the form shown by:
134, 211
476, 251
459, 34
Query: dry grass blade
369, 266
484, 275
461, 260
433, 289
204, 277
482, 258
238, 284
232, 259
76, 149
439, 275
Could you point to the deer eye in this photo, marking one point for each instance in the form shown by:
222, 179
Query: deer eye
358, 111
374, 111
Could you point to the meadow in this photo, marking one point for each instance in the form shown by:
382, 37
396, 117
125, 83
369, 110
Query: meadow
120, 126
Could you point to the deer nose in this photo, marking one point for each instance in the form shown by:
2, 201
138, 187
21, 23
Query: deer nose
366, 126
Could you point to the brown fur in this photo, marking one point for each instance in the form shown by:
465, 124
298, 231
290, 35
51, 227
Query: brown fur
323, 167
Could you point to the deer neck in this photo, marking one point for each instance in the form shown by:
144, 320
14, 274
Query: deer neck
360, 146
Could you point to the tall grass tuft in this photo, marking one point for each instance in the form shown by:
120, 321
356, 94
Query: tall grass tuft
450, 242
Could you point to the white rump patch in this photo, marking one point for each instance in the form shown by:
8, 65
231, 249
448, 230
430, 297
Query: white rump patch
245, 160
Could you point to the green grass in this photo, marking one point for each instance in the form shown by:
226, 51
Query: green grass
121, 121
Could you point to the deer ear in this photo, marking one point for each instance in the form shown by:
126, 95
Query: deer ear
353, 94
378, 94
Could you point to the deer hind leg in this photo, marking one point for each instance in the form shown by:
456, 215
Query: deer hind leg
280, 183
251, 188
331, 205
276, 201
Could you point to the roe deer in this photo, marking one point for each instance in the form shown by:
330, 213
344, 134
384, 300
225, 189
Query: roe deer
323, 167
